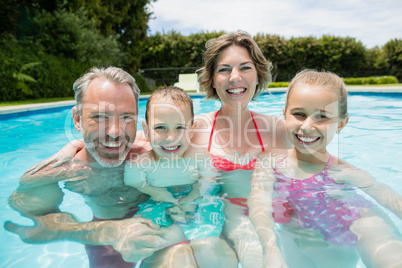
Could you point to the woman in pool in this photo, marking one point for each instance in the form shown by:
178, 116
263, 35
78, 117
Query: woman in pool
331, 224
179, 182
235, 72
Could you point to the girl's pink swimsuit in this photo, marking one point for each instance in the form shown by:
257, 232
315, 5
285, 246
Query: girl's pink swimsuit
322, 204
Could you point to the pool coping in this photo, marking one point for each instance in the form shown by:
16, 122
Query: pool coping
7, 110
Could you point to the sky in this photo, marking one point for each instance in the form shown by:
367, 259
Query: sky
372, 22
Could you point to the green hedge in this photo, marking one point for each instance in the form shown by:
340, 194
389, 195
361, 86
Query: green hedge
278, 84
375, 80
141, 83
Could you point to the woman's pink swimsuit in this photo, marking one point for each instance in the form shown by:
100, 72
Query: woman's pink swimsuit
322, 204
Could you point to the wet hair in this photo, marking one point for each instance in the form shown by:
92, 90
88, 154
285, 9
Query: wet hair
321, 79
214, 48
175, 94
113, 74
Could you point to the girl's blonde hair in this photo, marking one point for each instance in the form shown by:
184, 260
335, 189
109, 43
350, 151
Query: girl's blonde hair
322, 79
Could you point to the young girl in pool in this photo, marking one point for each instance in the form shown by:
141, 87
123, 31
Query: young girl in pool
325, 221
178, 180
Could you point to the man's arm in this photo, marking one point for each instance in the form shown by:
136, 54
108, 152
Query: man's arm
134, 238
62, 156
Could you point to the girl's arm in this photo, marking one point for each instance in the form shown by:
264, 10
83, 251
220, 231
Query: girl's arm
159, 194
381, 192
193, 195
260, 205
137, 177
198, 187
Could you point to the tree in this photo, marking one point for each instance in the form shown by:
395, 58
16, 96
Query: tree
126, 19
344, 55
197, 47
74, 36
274, 49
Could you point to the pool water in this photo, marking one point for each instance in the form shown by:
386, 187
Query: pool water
370, 141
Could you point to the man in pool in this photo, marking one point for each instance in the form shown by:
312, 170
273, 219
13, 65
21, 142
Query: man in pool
106, 116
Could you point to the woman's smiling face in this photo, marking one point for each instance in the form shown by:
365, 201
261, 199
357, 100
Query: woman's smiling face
235, 76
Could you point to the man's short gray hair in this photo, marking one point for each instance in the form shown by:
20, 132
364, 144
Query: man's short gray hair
113, 74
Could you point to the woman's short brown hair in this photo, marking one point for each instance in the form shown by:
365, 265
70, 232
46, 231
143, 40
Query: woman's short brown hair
215, 46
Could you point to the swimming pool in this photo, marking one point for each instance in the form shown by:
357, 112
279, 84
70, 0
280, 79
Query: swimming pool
370, 141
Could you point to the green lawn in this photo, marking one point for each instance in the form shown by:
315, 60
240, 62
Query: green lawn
22, 102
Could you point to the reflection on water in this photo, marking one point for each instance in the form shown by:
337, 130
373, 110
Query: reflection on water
371, 141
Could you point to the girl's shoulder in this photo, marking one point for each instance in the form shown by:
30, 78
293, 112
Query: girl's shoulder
343, 172
270, 158
337, 162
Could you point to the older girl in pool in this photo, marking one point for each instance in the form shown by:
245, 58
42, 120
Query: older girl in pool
236, 72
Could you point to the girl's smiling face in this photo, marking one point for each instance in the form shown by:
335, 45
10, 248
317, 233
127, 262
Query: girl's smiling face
169, 129
235, 76
312, 118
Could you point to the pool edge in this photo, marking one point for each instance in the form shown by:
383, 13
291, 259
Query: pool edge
7, 111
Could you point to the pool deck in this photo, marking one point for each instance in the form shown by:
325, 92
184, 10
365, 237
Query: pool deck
40, 106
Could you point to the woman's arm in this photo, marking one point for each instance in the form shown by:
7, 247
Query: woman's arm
261, 209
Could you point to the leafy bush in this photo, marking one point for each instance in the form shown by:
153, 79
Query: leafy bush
54, 76
375, 80
141, 83
13, 56
278, 84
